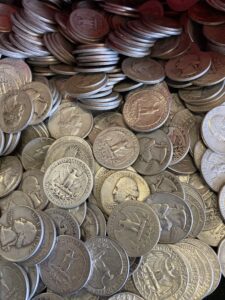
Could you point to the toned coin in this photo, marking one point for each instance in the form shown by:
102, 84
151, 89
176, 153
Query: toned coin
70, 119
122, 186
150, 272
11, 174
212, 168
215, 34
33, 154
174, 215
14, 282
213, 236
199, 151
90, 226
103, 121
47, 296
83, 294
221, 256
70, 146
68, 268
184, 167
22, 221
64, 222
125, 296
147, 108
16, 111
135, 226
116, 148
110, 266
156, 152
213, 129
32, 185
165, 182
194, 200
41, 98
188, 67
145, 70
68, 182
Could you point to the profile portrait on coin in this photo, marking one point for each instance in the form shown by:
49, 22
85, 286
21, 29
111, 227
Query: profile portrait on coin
19, 233
160, 183
12, 111
32, 188
8, 290
70, 121
39, 102
217, 127
188, 64
7, 176
125, 189
151, 151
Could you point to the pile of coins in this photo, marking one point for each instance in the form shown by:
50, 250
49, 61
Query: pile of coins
112, 150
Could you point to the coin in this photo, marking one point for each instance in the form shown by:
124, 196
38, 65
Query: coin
68, 182
83, 294
124, 296
168, 207
100, 218
76, 269
90, 226
135, 226
122, 186
221, 256
14, 282
145, 70
155, 153
143, 115
199, 151
47, 296
64, 222
14, 199
116, 148
167, 257
33, 274
165, 182
113, 259
21, 220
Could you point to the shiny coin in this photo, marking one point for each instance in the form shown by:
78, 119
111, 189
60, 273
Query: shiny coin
68, 182
135, 226
222, 202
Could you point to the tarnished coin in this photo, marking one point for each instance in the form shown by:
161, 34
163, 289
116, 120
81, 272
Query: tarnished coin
14, 282
70, 146
174, 215
194, 200
70, 119
156, 152
212, 168
68, 268
32, 185
16, 111
33, 274
221, 256
41, 98
103, 121
122, 186
213, 129
165, 182
110, 266
22, 234
90, 226
116, 148
147, 108
64, 222
213, 236
82, 295
188, 67
47, 296
125, 296
11, 174
33, 154
162, 265
184, 167
199, 151
135, 226
145, 70
68, 182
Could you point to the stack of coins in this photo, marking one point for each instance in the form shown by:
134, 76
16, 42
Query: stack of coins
112, 150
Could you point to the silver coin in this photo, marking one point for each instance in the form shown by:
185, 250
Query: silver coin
22, 235
47, 244
165, 182
11, 174
199, 151
116, 148
212, 168
100, 218
90, 226
33, 274
79, 212
14, 282
68, 182
68, 268
150, 271
110, 266
64, 222
48, 296
174, 215
135, 226
135, 263
34, 152
155, 153
221, 256
125, 296
32, 185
